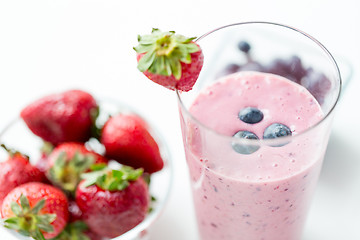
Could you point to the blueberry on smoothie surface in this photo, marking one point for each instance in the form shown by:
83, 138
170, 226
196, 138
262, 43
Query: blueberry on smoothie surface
251, 115
245, 148
277, 130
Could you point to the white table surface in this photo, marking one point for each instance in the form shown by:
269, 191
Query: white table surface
48, 46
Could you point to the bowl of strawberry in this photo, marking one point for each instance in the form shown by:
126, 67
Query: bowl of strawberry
75, 167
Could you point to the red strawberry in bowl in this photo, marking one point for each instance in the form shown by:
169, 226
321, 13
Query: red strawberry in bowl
16, 170
68, 161
113, 201
62, 117
127, 139
36, 209
169, 59
77, 230
42, 162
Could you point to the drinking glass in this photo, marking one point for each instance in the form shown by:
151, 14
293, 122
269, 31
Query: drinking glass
265, 193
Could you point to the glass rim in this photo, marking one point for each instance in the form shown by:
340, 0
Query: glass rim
269, 142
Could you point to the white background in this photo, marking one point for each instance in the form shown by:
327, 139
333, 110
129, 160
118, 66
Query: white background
48, 46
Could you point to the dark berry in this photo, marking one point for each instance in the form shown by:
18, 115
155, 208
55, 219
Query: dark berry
277, 130
317, 84
252, 66
245, 148
229, 69
251, 115
278, 66
244, 46
296, 68
290, 68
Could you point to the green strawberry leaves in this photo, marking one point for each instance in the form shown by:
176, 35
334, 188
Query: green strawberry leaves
28, 221
164, 52
46, 148
95, 130
73, 231
66, 173
110, 179
146, 61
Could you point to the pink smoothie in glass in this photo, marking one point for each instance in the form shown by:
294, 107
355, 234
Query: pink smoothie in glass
263, 195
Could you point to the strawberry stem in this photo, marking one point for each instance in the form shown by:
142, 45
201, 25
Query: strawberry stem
66, 173
13, 152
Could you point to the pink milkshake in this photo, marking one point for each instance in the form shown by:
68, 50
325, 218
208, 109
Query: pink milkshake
259, 191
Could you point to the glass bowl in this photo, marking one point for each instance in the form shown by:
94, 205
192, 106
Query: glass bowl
16, 135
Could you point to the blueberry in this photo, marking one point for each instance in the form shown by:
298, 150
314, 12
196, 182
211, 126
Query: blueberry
317, 84
278, 66
296, 68
251, 115
245, 148
229, 69
253, 66
244, 46
290, 68
277, 130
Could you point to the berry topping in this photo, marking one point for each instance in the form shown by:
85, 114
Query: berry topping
251, 115
277, 130
290, 67
229, 69
252, 66
317, 84
244, 46
245, 148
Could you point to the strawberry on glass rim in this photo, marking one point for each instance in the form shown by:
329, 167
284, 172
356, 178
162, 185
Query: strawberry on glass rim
169, 59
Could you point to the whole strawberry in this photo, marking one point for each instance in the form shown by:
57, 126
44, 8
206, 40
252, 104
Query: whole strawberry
16, 170
126, 139
62, 117
36, 209
68, 161
113, 201
169, 59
